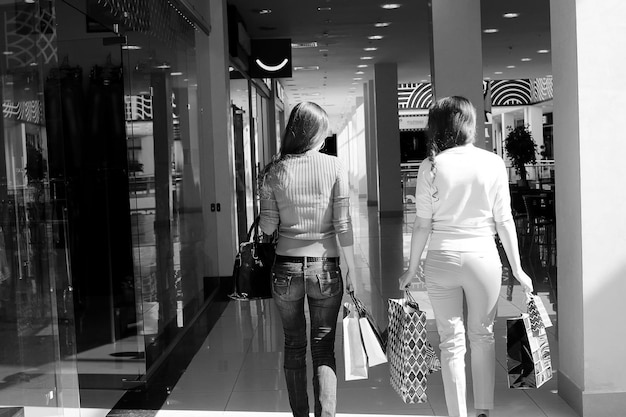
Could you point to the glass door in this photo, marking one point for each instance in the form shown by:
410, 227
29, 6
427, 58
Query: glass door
38, 349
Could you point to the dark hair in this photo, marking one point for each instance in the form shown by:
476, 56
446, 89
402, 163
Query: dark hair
451, 123
306, 128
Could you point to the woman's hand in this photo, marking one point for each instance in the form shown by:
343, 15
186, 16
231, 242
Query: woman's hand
348, 283
405, 280
525, 281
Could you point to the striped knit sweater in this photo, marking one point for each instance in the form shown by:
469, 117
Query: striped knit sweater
306, 197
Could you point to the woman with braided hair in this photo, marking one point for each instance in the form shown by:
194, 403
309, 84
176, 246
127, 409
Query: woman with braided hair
463, 200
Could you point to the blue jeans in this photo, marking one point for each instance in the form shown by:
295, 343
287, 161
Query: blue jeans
322, 283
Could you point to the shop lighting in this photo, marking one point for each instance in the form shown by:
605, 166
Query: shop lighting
526, 59
498, 72
510, 66
357, 78
367, 57
163, 66
375, 37
359, 73
7, 52
176, 73
382, 24
362, 66
307, 68
301, 45
324, 9
510, 15
543, 51
391, 6
131, 47
262, 11
492, 30
370, 49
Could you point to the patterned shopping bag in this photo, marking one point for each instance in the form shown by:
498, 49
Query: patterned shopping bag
411, 357
528, 360
539, 318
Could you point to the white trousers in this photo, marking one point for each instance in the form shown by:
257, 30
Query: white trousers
477, 275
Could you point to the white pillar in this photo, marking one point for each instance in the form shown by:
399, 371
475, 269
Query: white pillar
387, 139
370, 144
533, 117
456, 56
216, 144
589, 104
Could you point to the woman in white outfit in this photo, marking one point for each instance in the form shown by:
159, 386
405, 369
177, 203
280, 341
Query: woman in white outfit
463, 200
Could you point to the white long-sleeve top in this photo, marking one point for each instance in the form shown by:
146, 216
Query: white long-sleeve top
307, 197
465, 196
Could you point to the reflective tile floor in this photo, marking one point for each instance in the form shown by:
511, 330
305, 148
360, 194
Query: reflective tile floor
237, 370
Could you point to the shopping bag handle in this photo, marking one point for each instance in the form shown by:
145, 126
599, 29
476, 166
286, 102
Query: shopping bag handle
358, 304
410, 300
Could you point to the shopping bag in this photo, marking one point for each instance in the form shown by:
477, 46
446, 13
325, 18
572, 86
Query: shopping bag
354, 355
371, 335
537, 312
411, 357
528, 358
252, 271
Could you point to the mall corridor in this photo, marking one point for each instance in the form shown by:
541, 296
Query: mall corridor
237, 369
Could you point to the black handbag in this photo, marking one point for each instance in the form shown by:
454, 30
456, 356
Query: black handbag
252, 272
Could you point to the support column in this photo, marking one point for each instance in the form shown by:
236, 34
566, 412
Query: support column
217, 144
370, 144
589, 104
456, 56
387, 139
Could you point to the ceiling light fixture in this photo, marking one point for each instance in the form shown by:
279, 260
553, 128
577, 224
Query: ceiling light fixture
390, 6
131, 47
369, 49
498, 72
324, 9
375, 37
359, 73
262, 11
526, 59
176, 73
357, 78
543, 51
382, 24
492, 30
510, 66
367, 57
512, 15
307, 68
362, 66
300, 45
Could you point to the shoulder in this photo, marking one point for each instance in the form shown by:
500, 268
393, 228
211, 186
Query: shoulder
489, 157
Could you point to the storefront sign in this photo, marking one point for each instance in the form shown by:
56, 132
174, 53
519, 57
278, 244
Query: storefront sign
270, 58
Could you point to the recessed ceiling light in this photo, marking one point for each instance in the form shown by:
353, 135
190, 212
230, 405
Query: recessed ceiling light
357, 78
526, 59
7, 52
355, 83
510, 66
492, 30
176, 73
359, 73
512, 15
300, 45
262, 11
375, 37
362, 66
390, 6
543, 51
487, 78
163, 66
323, 50
307, 68
423, 81
382, 24
498, 72
131, 47
324, 9
369, 49
367, 57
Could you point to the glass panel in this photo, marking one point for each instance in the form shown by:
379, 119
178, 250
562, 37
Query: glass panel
37, 353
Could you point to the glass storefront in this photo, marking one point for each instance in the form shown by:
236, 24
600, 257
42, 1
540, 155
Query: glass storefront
101, 239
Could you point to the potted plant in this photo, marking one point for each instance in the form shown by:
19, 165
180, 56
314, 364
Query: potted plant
521, 150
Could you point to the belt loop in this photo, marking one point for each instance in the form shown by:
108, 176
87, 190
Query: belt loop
304, 263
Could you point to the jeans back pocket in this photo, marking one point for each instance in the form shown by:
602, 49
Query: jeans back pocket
281, 282
329, 282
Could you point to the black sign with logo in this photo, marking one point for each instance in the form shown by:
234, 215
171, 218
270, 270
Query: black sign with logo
270, 58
